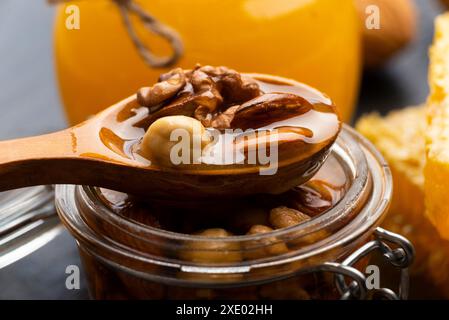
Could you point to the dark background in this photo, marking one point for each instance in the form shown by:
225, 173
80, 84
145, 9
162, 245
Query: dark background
30, 105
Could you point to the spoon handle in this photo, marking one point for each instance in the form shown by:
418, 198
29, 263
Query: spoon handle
36, 160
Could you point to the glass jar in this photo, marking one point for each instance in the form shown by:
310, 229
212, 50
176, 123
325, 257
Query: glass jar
313, 41
28, 221
124, 259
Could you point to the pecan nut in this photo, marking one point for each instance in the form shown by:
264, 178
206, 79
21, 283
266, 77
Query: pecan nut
268, 108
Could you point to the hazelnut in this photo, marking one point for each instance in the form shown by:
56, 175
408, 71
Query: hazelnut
283, 217
214, 250
186, 133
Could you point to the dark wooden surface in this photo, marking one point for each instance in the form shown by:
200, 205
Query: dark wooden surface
29, 104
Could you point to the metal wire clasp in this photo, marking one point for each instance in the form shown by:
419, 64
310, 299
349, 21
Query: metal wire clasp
352, 284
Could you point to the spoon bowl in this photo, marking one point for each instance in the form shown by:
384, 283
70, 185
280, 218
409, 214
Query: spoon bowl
97, 153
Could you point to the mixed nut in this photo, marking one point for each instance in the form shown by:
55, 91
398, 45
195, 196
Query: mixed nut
205, 93
215, 100
256, 217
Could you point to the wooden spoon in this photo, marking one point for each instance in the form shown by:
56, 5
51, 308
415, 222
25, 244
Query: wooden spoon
91, 154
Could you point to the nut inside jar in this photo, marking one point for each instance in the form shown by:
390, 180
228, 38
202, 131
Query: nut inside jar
247, 215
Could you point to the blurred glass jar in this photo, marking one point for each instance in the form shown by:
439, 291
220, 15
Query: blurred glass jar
28, 221
314, 41
127, 259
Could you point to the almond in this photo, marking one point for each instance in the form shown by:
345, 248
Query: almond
396, 29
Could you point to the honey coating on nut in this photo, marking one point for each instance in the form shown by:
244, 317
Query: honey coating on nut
284, 217
259, 229
300, 120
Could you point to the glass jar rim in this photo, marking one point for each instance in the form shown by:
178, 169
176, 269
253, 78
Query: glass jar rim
371, 175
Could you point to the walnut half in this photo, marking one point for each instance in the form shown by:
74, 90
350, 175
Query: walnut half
209, 94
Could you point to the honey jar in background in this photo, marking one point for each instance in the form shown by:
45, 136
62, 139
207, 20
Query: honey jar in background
313, 41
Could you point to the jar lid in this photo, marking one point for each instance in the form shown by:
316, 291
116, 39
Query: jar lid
28, 221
